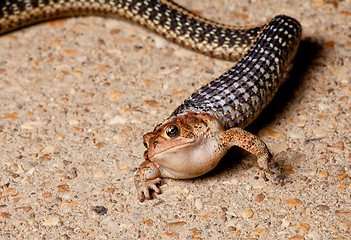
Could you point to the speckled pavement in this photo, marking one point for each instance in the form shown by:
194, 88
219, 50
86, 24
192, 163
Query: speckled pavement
76, 96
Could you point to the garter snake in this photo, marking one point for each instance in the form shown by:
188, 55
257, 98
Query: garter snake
200, 131
235, 98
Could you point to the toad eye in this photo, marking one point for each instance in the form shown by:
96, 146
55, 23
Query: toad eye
172, 131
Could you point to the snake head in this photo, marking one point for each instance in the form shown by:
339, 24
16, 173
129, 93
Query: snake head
185, 146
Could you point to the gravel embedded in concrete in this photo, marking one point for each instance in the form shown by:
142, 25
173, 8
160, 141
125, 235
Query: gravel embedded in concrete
76, 96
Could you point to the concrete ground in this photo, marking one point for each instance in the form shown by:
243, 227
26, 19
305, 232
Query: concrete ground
76, 96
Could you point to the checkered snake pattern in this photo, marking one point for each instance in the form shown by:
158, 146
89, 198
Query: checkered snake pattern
235, 98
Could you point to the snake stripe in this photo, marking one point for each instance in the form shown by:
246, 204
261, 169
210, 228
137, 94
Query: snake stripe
238, 96
165, 17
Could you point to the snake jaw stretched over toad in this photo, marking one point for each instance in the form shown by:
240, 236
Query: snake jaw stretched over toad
200, 131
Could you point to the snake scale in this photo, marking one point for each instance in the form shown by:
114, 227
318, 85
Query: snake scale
233, 100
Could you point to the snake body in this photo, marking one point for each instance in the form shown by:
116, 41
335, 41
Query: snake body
235, 98
238, 96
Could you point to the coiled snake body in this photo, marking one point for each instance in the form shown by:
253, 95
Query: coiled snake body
223, 107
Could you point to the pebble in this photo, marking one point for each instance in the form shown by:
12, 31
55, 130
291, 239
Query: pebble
288, 169
260, 197
5, 215
12, 116
302, 228
176, 224
69, 204
297, 237
170, 233
293, 202
148, 222
323, 174
46, 195
208, 215
44, 158
322, 207
51, 221
330, 44
280, 147
11, 192
73, 122
117, 120
274, 200
342, 176
285, 223
260, 231
62, 188
322, 116
273, 133
115, 95
51, 149
104, 236
77, 129
70, 52
99, 210
295, 135
198, 204
78, 73
196, 238
152, 103
332, 228
339, 146
248, 213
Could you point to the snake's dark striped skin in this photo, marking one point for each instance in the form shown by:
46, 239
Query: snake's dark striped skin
163, 16
238, 96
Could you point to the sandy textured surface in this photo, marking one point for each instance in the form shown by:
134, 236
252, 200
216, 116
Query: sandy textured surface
77, 95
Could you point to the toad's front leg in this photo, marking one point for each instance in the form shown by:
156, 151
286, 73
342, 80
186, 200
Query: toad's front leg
147, 178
